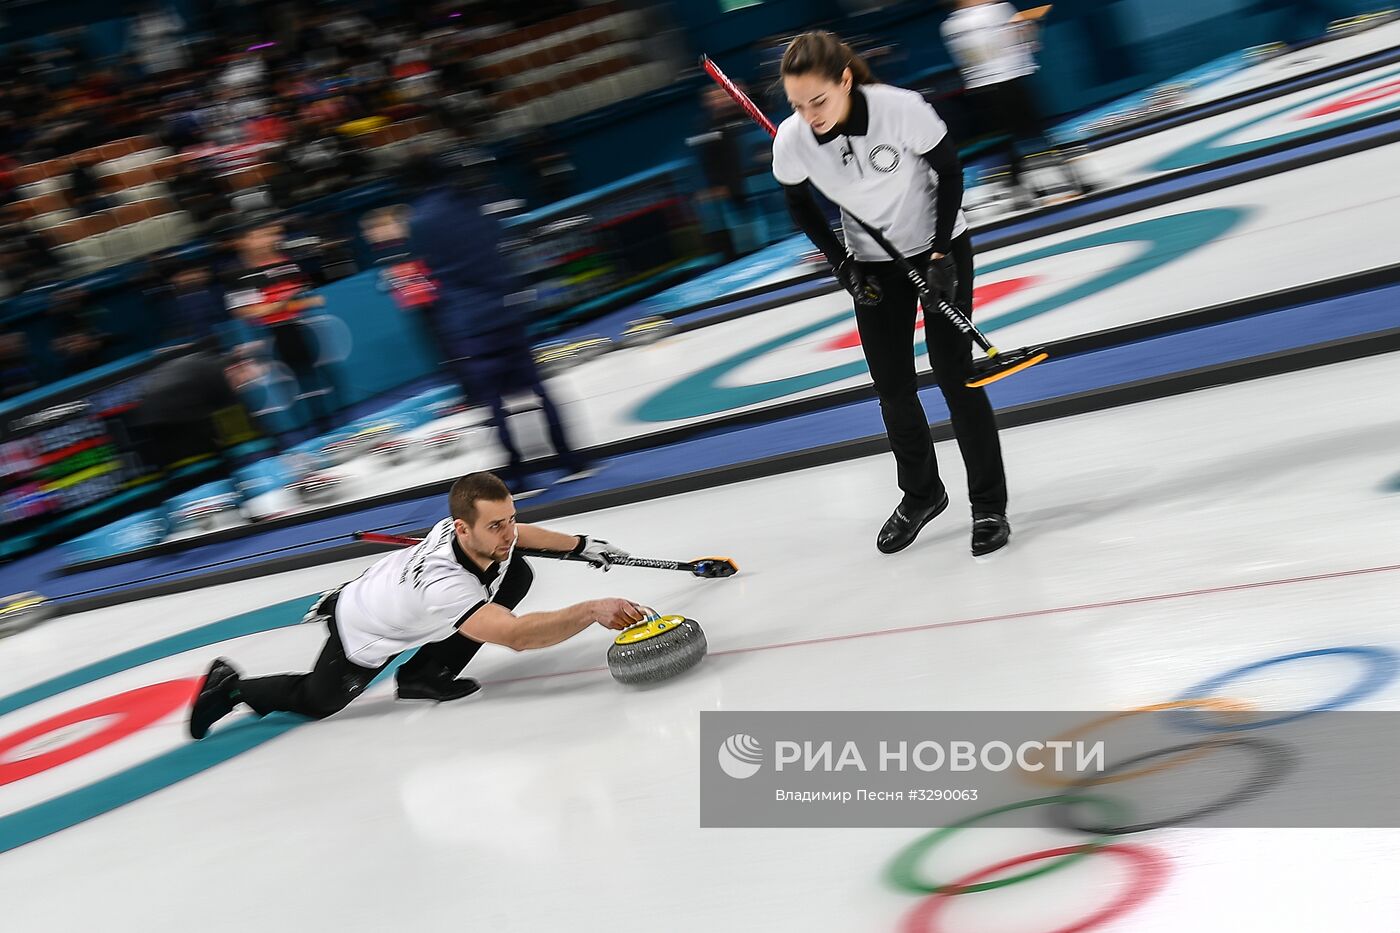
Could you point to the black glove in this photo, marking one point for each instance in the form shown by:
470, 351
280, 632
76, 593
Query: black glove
943, 279
866, 291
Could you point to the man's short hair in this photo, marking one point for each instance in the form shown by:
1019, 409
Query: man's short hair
471, 489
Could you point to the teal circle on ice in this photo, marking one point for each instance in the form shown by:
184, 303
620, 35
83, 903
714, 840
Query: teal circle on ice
1165, 238
107, 793
1214, 147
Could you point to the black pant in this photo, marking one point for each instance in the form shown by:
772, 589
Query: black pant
292, 343
487, 379
163, 445
886, 335
1008, 109
335, 680
489, 367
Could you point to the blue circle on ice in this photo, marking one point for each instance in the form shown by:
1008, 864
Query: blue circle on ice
1381, 668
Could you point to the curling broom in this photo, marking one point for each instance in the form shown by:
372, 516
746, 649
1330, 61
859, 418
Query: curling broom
998, 364
709, 567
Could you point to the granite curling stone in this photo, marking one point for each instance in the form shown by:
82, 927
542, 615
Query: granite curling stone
445, 443
391, 451
319, 487
656, 650
22, 611
647, 330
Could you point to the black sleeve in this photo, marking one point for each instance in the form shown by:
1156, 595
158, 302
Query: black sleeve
469, 613
943, 159
805, 212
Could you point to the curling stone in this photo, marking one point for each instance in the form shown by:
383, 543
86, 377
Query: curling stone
656, 650
343, 450
1357, 24
553, 358
647, 330
183, 519
444, 444
318, 487
22, 611
590, 348
1049, 178
204, 513
379, 431
391, 451
1268, 50
301, 461
346, 448
442, 408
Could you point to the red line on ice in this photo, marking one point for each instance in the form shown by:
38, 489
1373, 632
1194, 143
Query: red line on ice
1010, 616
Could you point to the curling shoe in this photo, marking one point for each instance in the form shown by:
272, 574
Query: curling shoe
990, 532
439, 689
902, 527
215, 699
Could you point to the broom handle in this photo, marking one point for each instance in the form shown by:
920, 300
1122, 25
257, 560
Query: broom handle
960, 320
377, 537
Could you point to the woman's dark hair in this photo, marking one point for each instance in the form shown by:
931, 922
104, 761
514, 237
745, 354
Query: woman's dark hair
822, 53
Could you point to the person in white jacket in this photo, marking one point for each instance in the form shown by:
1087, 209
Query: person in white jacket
994, 47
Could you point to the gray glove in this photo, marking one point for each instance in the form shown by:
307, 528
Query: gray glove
599, 553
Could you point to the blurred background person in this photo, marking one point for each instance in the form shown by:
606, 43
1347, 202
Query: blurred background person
17, 373
80, 339
551, 170
156, 36
994, 47
188, 407
724, 158
84, 191
196, 305
478, 321
270, 292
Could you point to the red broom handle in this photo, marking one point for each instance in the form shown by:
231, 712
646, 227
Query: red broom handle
739, 96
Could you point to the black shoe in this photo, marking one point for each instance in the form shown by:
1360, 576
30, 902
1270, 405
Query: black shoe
905, 524
990, 532
215, 698
440, 689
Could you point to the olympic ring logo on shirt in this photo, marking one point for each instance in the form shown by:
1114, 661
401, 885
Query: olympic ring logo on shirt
1149, 868
884, 158
1164, 240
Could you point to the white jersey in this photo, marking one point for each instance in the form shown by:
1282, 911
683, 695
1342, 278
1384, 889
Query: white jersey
412, 597
879, 177
988, 47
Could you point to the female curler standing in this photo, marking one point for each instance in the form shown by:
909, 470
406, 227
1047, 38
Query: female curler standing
883, 155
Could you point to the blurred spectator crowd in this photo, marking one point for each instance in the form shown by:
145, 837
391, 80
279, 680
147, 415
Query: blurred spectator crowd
190, 136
